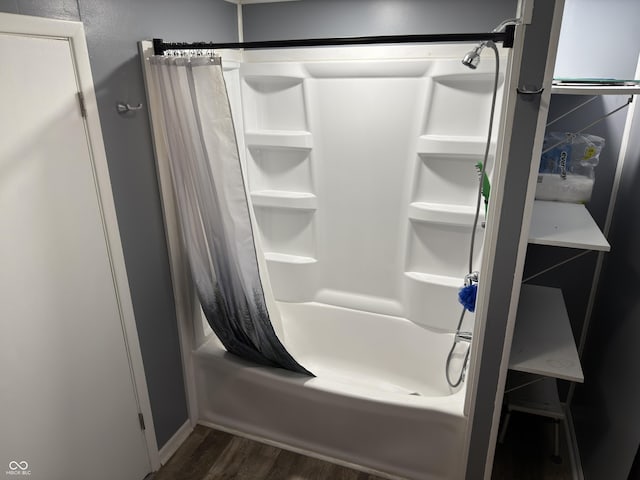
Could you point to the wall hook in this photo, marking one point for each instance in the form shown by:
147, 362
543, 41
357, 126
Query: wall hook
122, 107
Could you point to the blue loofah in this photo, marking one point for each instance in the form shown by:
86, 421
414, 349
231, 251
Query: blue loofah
467, 297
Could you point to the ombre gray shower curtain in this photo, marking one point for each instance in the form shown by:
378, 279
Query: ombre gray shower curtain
213, 208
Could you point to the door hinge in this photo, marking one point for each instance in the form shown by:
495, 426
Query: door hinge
83, 108
141, 420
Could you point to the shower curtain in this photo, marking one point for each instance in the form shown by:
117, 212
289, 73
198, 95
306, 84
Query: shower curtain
213, 208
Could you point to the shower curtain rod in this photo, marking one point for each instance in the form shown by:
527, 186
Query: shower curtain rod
506, 38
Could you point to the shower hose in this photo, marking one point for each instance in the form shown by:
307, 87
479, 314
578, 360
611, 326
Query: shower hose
458, 336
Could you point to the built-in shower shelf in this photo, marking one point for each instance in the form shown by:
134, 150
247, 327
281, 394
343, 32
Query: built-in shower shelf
279, 138
443, 213
284, 199
451, 145
291, 259
428, 278
543, 342
565, 225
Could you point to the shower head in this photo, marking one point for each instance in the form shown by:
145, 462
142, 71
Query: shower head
472, 58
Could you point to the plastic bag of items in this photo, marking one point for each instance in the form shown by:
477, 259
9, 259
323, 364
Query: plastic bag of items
567, 170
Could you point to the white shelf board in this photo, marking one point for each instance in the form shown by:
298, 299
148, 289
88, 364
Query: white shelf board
565, 225
543, 343
595, 89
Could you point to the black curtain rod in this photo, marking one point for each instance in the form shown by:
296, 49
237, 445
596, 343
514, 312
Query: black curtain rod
506, 38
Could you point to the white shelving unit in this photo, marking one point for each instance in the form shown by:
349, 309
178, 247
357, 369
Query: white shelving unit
542, 324
543, 341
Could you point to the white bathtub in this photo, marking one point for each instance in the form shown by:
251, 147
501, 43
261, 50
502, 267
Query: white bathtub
379, 401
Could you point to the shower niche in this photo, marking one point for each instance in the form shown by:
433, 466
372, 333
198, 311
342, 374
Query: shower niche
280, 179
466, 117
263, 97
442, 205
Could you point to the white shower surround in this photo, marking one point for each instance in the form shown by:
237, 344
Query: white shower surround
340, 144
360, 168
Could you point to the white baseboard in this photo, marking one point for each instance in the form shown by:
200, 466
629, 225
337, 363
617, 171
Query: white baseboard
169, 448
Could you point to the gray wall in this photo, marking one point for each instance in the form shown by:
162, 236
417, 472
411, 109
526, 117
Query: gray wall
326, 18
113, 28
601, 39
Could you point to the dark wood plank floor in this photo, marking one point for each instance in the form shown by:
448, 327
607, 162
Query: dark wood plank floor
214, 455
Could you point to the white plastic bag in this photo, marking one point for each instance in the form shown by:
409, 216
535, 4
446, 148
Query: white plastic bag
567, 170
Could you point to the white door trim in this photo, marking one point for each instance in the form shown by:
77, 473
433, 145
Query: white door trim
74, 33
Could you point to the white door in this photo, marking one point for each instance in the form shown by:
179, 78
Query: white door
68, 405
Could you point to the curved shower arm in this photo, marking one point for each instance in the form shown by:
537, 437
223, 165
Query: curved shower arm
503, 24
472, 58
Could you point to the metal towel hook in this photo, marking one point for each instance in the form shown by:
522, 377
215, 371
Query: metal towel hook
122, 107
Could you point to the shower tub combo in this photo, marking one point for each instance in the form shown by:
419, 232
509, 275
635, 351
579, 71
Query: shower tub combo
360, 170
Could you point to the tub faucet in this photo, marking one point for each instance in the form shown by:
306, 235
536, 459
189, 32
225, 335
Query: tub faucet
471, 278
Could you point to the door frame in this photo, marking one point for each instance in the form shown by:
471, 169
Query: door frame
74, 33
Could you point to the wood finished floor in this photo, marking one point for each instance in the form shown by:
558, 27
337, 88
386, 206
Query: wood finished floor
214, 455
